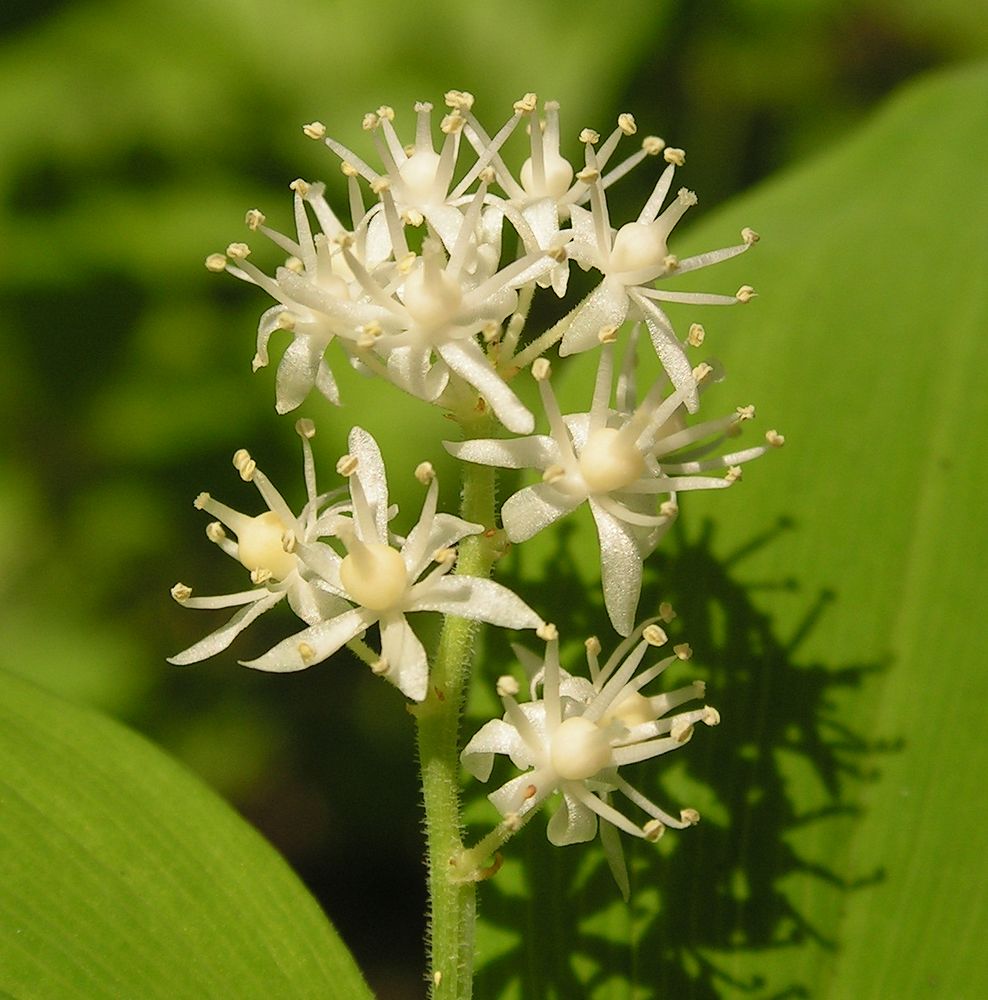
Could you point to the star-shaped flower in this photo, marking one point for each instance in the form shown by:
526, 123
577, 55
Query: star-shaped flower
619, 462
575, 738
266, 545
385, 579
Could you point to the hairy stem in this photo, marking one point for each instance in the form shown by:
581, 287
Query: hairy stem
452, 905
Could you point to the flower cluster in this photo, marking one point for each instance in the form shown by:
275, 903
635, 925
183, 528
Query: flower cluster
418, 284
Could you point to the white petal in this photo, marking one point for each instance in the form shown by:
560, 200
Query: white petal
530, 510
373, 478
621, 569
217, 641
446, 530
471, 364
411, 369
571, 823
669, 350
496, 736
408, 667
536, 452
475, 598
314, 605
323, 640
516, 796
607, 305
297, 373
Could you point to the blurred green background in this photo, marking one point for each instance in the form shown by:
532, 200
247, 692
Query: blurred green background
133, 136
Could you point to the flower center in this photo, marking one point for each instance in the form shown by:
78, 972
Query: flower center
579, 749
260, 546
558, 177
374, 575
608, 462
637, 247
432, 300
418, 174
631, 709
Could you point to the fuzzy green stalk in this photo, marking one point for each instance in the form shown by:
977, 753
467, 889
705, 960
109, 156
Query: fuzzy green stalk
452, 906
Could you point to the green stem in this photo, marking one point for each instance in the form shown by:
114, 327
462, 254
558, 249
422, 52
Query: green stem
452, 905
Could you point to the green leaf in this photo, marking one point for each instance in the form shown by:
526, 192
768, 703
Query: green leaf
836, 611
122, 876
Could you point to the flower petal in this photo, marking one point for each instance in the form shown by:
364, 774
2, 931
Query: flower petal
669, 350
471, 364
321, 640
217, 641
528, 511
408, 666
475, 598
606, 305
621, 568
536, 452
496, 736
373, 478
571, 823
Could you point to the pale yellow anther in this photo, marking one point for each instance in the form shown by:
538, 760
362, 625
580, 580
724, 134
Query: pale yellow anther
238, 251
406, 263
369, 122
380, 666
412, 217
745, 293
743, 413
541, 369
306, 652
588, 175
593, 645
654, 635
459, 100
669, 508
749, 236
683, 650
670, 262
627, 124
547, 632
315, 130
733, 473
425, 473
420, 106
348, 169
589, 135
201, 501
347, 465
295, 264
710, 717
387, 113
216, 262
490, 331
553, 474
558, 254
673, 154
380, 184
451, 123
300, 187
695, 337
653, 145
667, 612
699, 689
690, 816
701, 372
240, 458
653, 830
254, 219
286, 320
215, 532
260, 575
487, 175
507, 686
288, 541
686, 197
181, 592
681, 729
526, 105
775, 439
305, 428
607, 334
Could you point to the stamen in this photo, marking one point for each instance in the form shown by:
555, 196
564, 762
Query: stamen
695, 337
181, 592
667, 613
507, 686
425, 473
216, 262
547, 632
254, 219
745, 293
672, 154
683, 650
347, 465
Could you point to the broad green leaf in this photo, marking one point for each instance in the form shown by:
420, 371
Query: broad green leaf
122, 876
834, 600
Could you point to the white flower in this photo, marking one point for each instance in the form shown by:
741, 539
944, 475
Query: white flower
618, 461
629, 260
576, 737
384, 583
266, 545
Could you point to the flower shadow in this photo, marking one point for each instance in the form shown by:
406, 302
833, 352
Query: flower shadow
712, 908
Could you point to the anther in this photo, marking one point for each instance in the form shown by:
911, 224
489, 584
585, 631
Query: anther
686, 197
653, 145
487, 175
380, 666
288, 541
240, 458
654, 635
260, 575
490, 331
238, 251
701, 372
444, 555
286, 320
347, 465
406, 263
216, 262
387, 113
589, 135
775, 439
369, 122
672, 154
547, 632
507, 686
458, 100
526, 105
666, 612
295, 265
348, 169
304, 427
681, 730
181, 592
670, 262
215, 532
690, 816
749, 236
710, 717
451, 123
593, 645
425, 473
201, 501
653, 830
315, 130
588, 175
541, 369
254, 219
380, 184
745, 293
745, 413
695, 337
668, 508
299, 186
306, 652
607, 334
683, 650
627, 124
733, 473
